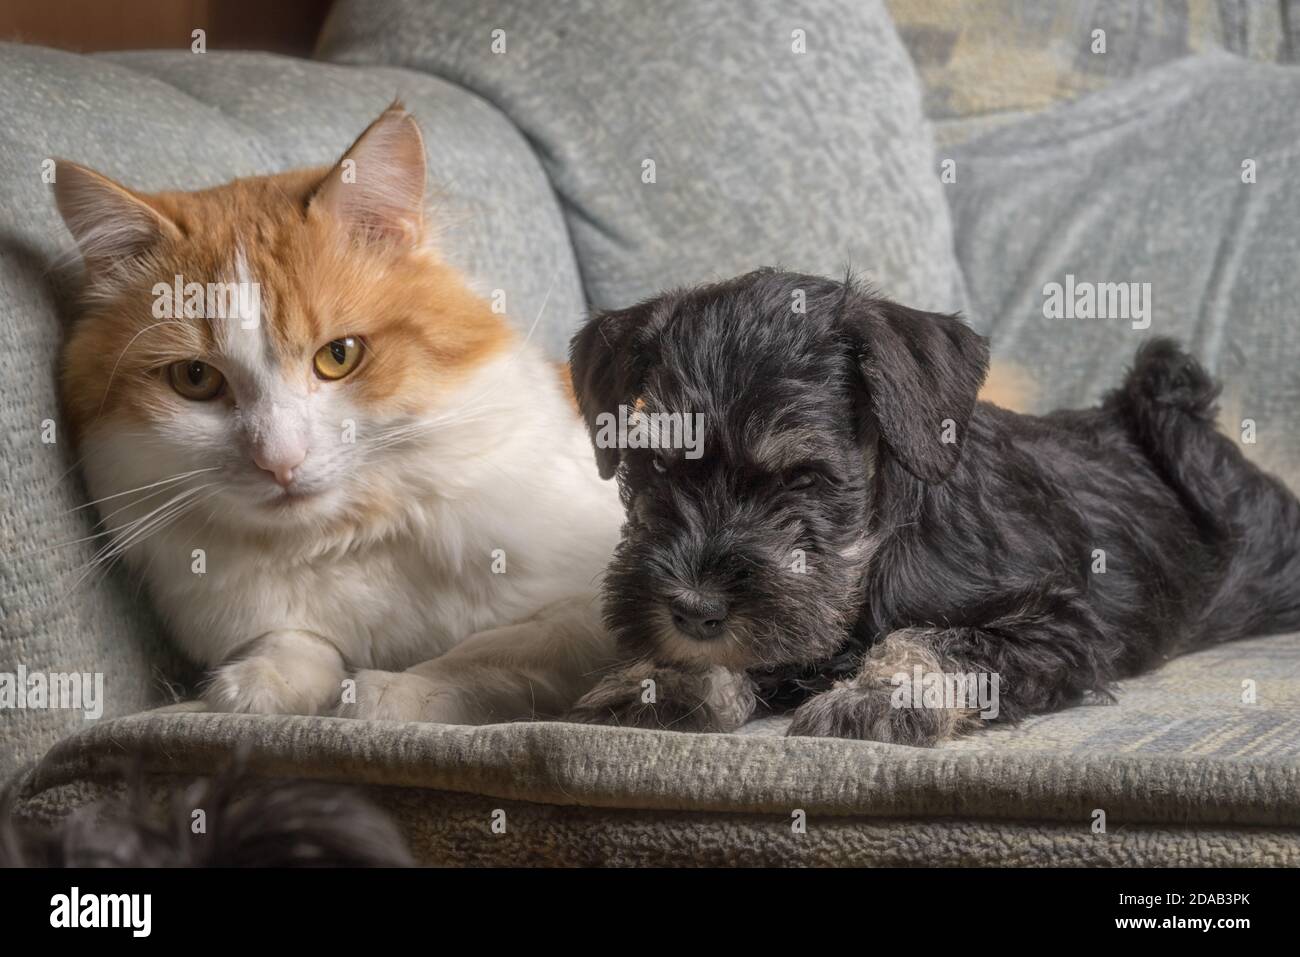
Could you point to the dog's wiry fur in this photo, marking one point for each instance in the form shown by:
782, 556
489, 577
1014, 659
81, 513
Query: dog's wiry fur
857, 512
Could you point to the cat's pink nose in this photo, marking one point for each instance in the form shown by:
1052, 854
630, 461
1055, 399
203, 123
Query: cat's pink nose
281, 464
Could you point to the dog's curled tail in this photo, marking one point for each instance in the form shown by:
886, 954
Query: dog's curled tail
1253, 520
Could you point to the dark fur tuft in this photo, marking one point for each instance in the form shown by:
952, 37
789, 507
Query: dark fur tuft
247, 824
1164, 375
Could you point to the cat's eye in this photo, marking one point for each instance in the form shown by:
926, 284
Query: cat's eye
195, 380
338, 357
798, 479
658, 464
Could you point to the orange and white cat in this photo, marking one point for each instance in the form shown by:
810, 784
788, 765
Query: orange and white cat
362, 468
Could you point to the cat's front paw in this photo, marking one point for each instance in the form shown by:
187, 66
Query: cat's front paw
283, 672
401, 696
257, 685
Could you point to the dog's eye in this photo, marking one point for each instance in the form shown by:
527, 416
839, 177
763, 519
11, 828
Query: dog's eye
658, 464
797, 479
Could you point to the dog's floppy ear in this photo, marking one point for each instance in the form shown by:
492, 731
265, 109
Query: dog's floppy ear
922, 371
600, 363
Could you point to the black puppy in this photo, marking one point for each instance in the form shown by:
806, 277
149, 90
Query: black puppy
857, 515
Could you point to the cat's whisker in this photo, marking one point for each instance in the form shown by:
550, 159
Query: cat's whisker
108, 561
168, 486
451, 416
186, 503
170, 479
399, 434
541, 311
131, 532
167, 512
57, 480
119, 538
468, 411
135, 503
482, 456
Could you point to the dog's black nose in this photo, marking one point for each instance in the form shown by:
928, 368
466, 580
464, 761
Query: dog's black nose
699, 616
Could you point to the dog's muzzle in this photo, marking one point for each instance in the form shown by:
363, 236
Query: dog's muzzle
698, 616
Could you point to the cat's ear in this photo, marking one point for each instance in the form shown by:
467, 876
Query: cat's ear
377, 189
111, 224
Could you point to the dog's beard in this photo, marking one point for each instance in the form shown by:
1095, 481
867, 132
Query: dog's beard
777, 615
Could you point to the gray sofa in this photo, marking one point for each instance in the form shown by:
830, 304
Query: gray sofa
802, 134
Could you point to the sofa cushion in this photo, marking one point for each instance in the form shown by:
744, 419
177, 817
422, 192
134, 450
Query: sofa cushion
990, 62
762, 155
180, 120
1186, 771
1144, 183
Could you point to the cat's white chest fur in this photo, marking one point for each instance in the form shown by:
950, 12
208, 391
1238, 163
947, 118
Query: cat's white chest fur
386, 605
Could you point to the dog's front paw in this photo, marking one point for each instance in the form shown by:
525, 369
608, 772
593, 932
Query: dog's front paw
399, 696
259, 685
642, 696
617, 702
628, 710
870, 714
